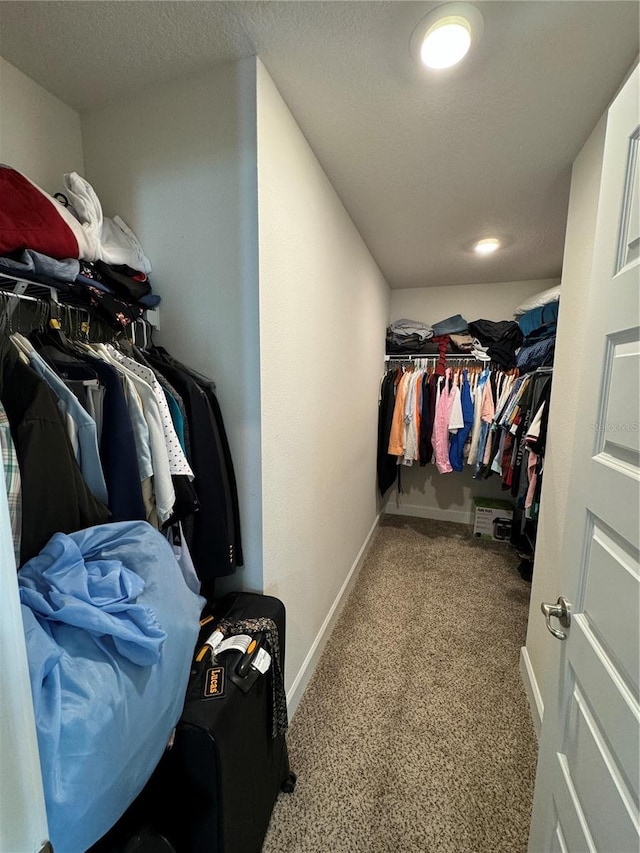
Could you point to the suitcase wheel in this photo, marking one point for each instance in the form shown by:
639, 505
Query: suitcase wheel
148, 841
289, 783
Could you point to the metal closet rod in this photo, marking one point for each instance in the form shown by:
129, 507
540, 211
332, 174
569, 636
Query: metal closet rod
18, 294
64, 311
434, 357
21, 284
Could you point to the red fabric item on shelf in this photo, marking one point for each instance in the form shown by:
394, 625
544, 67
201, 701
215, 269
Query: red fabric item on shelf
31, 219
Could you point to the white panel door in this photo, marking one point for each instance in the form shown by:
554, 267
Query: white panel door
587, 783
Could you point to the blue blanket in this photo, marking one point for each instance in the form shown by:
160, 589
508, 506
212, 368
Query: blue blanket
110, 626
536, 318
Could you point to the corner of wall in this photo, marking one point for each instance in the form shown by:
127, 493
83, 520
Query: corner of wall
305, 673
184, 177
40, 136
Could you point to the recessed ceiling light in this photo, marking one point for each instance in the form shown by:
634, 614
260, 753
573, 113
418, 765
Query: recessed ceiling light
486, 247
446, 43
444, 36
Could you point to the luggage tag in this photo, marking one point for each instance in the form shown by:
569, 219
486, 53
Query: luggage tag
242, 669
214, 683
237, 650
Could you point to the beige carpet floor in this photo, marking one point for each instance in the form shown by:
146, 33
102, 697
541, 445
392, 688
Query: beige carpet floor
414, 734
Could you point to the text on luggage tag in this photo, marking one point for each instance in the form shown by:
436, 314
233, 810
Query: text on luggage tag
214, 682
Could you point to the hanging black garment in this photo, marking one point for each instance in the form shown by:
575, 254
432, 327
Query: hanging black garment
429, 392
541, 394
215, 542
208, 386
425, 450
230, 472
55, 497
387, 465
537, 391
117, 443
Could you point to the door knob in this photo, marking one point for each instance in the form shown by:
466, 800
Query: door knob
562, 612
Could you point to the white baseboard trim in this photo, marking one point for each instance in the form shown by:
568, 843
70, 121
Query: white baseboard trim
536, 705
309, 664
417, 511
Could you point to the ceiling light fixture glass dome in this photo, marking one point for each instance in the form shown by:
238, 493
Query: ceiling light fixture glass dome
445, 36
487, 246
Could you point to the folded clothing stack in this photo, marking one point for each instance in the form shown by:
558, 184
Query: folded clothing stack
70, 245
463, 342
539, 326
455, 325
405, 337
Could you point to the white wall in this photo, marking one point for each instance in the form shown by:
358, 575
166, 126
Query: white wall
323, 311
425, 492
473, 301
570, 345
39, 135
178, 162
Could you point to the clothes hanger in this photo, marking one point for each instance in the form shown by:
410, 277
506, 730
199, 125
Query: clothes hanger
50, 333
5, 316
50, 340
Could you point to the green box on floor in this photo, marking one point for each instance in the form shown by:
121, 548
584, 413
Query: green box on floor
492, 519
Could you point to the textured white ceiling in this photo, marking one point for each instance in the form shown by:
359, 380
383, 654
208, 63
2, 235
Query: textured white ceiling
424, 163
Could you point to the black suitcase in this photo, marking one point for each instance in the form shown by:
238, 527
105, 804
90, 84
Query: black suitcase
217, 785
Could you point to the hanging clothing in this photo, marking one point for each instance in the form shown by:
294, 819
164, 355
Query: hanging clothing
477, 417
428, 402
215, 545
174, 400
12, 482
397, 434
456, 420
84, 429
386, 463
55, 496
459, 439
532, 464
177, 461
481, 419
163, 487
487, 411
412, 418
118, 451
441, 424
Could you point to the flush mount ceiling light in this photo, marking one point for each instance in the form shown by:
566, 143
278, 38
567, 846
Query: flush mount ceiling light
486, 247
444, 36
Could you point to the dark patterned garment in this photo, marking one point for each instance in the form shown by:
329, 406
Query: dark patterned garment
270, 630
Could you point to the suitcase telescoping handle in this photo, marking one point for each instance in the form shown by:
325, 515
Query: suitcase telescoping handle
247, 658
210, 645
